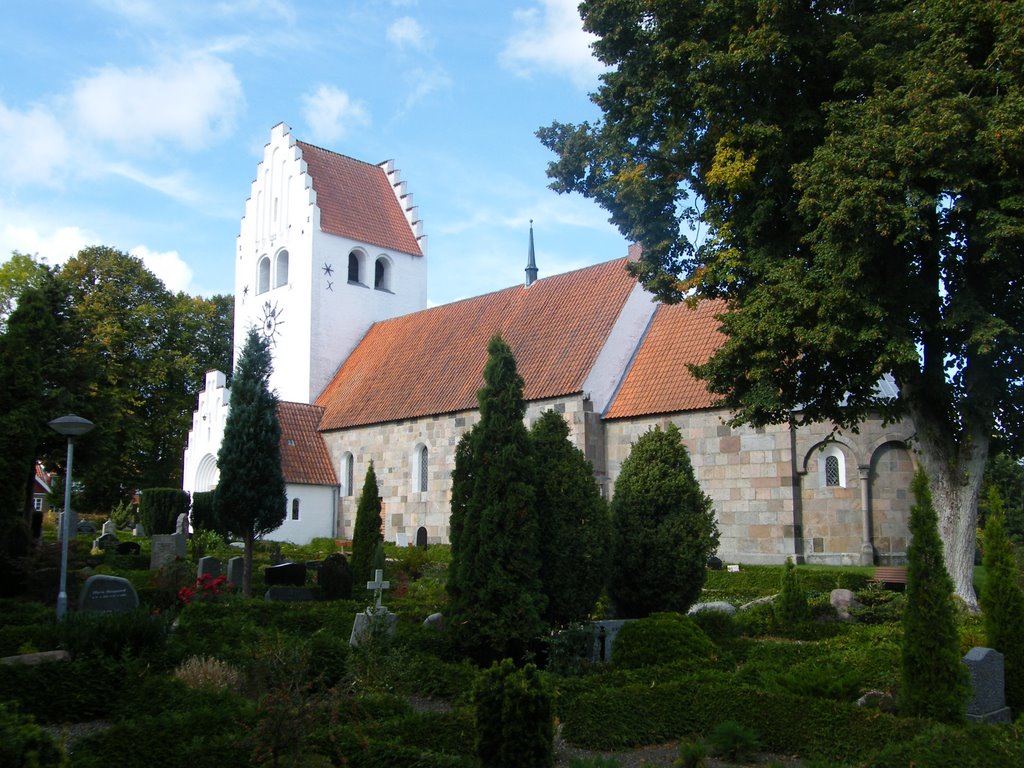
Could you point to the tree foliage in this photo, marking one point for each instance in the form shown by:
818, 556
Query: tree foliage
251, 499
574, 527
847, 175
1002, 603
934, 678
514, 719
367, 532
664, 528
790, 605
1004, 483
494, 587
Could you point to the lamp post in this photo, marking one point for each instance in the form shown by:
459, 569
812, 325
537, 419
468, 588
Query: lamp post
71, 426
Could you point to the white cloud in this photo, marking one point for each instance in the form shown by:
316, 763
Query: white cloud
406, 32
425, 82
54, 249
550, 38
168, 266
189, 102
330, 113
33, 146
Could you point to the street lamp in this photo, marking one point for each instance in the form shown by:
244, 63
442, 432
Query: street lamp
72, 426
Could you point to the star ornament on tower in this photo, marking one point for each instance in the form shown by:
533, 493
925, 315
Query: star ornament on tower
328, 270
270, 322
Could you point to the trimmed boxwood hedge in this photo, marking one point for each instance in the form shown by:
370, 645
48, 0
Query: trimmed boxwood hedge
788, 724
757, 580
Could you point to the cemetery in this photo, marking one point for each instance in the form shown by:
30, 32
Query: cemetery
163, 662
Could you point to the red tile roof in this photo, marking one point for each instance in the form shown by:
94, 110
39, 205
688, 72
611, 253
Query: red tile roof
357, 201
658, 380
304, 455
431, 362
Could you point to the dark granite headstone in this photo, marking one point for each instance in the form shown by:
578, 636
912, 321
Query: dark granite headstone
129, 548
714, 563
285, 575
421, 537
289, 595
107, 593
106, 541
234, 571
207, 566
314, 565
85, 526
988, 700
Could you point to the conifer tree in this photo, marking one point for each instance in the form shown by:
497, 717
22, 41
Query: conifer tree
367, 532
934, 678
663, 527
574, 525
495, 597
251, 497
791, 604
1003, 603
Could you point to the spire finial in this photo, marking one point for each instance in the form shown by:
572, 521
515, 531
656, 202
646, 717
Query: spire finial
531, 261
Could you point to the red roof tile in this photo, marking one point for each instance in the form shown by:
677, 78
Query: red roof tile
658, 380
357, 201
431, 362
304, 455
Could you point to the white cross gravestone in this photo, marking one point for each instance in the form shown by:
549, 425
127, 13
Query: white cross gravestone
376, 618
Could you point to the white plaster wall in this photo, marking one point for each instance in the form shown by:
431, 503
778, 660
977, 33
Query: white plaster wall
206, 435
317, 511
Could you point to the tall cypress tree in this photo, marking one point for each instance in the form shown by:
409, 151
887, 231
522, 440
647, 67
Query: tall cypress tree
495, 594
367, 532
574, 527
663, 526
934, 679
251, 498
1002, 602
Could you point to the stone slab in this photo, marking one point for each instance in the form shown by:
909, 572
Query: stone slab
165, 549
109, 594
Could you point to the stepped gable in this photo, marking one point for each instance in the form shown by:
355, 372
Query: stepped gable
357, 201
658, 380
304, 456
431, 362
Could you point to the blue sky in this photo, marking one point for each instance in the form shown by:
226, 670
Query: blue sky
138, 124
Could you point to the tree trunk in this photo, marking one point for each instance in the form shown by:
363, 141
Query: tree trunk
955, 471
247, 564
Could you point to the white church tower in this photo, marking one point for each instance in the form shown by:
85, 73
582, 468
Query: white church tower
328, 245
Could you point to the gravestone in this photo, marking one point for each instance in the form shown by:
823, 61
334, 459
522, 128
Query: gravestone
106, 541
208, 566
988, 699
285, 575
234, 572
86, 526
376, 617
289, 595
107, 593
165, 548
421, 537
714, 563
718, 605
435, 621
604, 638
401, 540
128, 548
138, 530
181, 527
109, 527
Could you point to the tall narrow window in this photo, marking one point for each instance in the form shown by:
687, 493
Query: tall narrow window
263, 275
295, 509
347, 473
281, 270
832, 470
353, 267
423, 468
381, 275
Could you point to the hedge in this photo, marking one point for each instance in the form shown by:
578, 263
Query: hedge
759, 580
788, 724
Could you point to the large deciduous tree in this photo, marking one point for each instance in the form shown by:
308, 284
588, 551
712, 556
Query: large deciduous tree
494, 587
854, 173
251, 499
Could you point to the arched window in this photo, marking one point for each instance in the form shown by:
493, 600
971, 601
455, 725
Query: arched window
423, 466
347, 467
295, 509
281, 271
353, 267
263, 275
832, 467
382, 274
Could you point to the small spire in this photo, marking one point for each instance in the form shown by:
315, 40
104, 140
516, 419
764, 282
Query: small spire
531, 262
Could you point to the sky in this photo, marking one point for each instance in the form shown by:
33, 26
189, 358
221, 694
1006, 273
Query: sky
138, 124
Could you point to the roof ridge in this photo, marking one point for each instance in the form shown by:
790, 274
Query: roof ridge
339, 154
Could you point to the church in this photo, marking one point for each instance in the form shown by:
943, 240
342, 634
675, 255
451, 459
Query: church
331, 265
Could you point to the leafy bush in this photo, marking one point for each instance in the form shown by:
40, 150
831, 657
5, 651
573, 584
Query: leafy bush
659, 639
23, 744
26, 628
115, 635
719, 626
70, 692
204, 513
514, 725
159, 509
335, 578
692, 754
124, 514
733, 740
791, 603
943, 746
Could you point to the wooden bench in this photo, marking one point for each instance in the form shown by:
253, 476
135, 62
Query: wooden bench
891, 575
